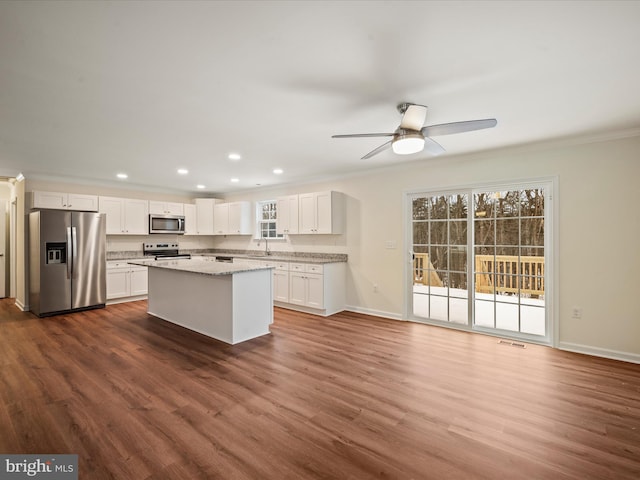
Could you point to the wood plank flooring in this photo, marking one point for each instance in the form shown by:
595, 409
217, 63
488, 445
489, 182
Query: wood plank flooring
345, 397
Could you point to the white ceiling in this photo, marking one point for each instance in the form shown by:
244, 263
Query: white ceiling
90, 89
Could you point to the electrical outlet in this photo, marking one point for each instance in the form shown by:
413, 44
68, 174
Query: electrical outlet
576, 312
390, 244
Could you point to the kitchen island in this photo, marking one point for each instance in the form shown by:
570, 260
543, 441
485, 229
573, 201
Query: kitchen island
231, 303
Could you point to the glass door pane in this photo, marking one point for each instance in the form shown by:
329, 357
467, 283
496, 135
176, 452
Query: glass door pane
439, 244
509, 260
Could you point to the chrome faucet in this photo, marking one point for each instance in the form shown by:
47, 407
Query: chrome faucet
266, 246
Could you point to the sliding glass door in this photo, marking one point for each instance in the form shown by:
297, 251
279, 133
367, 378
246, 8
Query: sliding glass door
479, 259
440, 255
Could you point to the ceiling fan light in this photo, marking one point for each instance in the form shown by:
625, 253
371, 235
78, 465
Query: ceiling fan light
407, 144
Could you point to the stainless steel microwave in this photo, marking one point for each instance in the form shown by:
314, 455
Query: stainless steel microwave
166, 224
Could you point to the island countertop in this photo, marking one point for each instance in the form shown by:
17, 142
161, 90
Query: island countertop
231, 303
203, 267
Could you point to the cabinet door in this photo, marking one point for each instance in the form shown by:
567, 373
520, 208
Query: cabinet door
166, 208
175, 208
85, 203
157, 208
117, 283
239, 218
190, 220
297, 288
221, 219
114, 209
287, 221
323, 211
139, 281
204, 215
136, 217
281, 286
315, 290
307, 213
55, 200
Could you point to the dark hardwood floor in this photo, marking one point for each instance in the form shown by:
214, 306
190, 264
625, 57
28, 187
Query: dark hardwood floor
345, 397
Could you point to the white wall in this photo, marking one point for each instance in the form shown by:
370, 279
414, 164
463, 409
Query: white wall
598, 191
598, 185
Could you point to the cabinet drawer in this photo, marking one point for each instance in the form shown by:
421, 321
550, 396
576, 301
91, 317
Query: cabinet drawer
314, 268
307, 267
284, 266
112, 265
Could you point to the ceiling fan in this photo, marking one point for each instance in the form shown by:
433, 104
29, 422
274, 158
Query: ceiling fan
413, 137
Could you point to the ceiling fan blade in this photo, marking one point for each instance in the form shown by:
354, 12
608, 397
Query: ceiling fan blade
458, 127
432, 147
381, 148
351, 135
414, 117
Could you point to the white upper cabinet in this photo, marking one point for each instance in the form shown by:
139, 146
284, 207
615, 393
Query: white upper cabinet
221, 218
287, 219
190, 221
64, 201
232, 218
166, 208
125, 216
198, 217
204, 215
320, 212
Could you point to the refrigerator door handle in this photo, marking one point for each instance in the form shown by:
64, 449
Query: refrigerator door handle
68, 252
74, 251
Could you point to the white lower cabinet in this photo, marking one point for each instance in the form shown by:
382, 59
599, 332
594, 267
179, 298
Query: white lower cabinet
313, 288
126, 282
281, 282
306, 285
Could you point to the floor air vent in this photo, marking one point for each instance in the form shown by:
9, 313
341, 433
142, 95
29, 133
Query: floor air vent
512, 344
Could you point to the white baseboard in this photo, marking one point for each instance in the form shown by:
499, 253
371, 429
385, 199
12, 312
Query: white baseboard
570, 347
114, 301
375, 313
21, 306
599, 352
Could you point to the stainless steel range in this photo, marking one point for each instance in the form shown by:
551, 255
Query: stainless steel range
163, 250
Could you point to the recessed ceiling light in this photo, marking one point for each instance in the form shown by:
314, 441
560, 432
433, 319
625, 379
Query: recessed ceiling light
235, 180
122, 175
234, 156
183, 171
277, 171
200, 186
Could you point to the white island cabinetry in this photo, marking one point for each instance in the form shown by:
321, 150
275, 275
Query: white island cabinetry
231, 303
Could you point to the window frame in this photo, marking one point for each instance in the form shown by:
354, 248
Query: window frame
551, 247
260, 221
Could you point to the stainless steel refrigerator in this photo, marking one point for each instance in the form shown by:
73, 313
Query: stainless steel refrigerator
67, 261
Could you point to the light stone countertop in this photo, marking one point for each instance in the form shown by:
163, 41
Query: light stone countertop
317, 258
278, 257
202, 267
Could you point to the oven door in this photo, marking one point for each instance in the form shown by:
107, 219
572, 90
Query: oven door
166, 224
